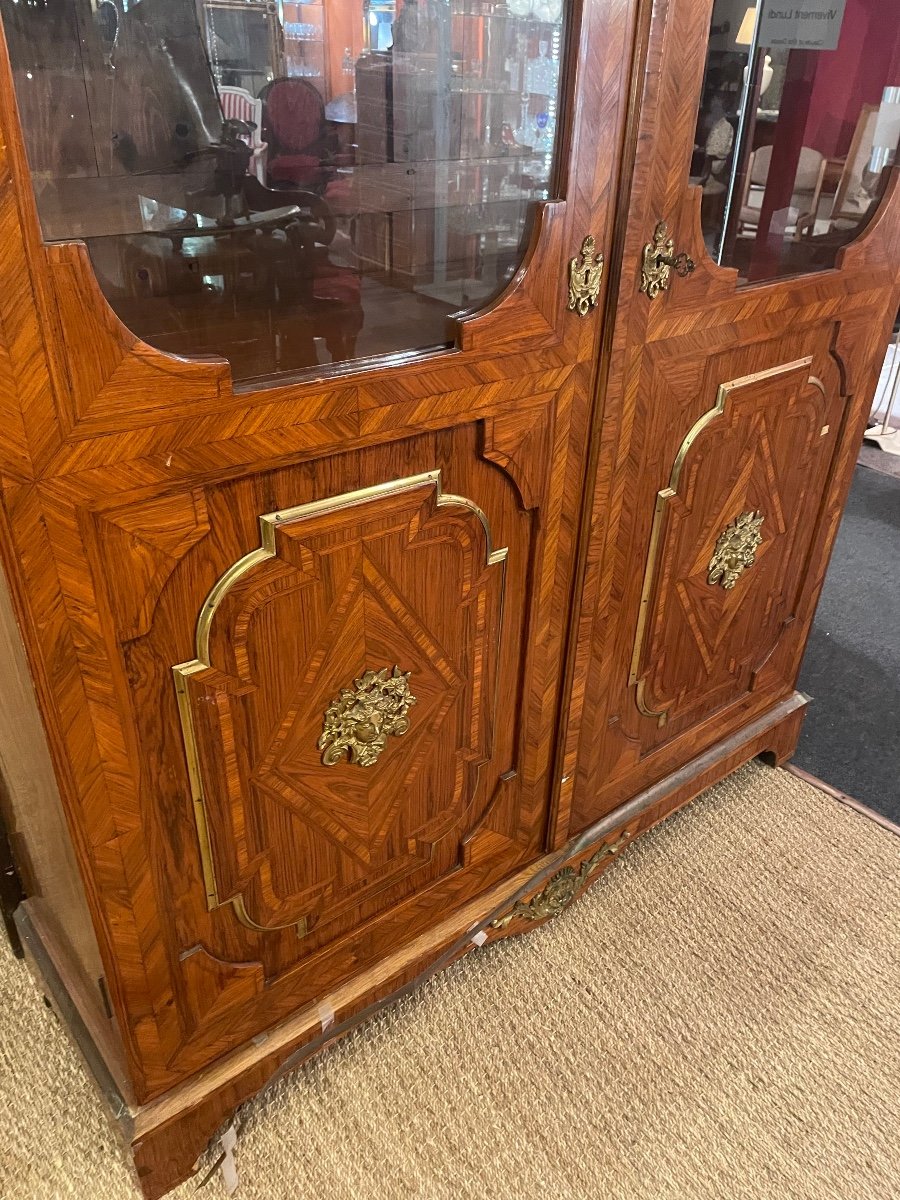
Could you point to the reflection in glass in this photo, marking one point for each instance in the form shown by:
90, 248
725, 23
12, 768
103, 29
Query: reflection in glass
798, 126
290, 184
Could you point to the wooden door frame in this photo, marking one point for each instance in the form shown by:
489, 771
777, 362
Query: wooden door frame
657, 188
77, 429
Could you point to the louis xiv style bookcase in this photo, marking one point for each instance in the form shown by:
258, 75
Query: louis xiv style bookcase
423, 439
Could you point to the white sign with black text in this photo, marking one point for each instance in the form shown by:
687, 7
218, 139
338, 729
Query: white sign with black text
801, 24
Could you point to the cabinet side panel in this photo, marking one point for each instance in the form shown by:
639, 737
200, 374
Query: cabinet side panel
38, 832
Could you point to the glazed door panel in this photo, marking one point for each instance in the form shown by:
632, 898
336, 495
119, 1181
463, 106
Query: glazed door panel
733, 412
299, 642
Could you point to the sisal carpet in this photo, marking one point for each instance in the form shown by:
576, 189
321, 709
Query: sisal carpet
716, 1019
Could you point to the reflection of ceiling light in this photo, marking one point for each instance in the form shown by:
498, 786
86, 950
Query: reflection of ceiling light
744, 35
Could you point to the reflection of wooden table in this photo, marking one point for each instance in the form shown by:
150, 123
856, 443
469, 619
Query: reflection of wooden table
199, 226
236, 251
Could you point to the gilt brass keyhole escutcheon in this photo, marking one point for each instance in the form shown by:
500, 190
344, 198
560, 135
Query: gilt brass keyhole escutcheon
659, 260
584, 278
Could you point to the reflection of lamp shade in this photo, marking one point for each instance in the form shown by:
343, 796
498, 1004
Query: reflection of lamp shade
744, 35
887, 130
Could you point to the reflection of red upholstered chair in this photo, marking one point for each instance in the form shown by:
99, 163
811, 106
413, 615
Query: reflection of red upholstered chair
294, 128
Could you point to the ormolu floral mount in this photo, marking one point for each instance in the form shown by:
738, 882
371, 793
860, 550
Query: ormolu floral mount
359, 721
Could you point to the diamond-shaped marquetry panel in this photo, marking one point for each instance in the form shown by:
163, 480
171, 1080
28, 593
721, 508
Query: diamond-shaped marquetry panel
707, 622
397, 577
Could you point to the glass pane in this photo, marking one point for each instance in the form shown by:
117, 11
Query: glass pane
289, 185
798, 125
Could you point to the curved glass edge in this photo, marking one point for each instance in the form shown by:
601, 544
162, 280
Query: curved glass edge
797, 128
288, 185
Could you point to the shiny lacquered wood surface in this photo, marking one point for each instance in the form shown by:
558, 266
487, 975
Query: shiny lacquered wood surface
718, 400
445, 514
133, 482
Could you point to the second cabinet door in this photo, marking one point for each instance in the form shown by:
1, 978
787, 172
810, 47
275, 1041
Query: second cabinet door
751, 327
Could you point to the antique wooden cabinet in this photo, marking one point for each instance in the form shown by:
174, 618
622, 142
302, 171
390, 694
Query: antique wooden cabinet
371, 608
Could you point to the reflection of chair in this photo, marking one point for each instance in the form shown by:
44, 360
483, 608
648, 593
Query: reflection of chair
851, 201
295, 129
238, 105
327, 295
714, 175
804, 198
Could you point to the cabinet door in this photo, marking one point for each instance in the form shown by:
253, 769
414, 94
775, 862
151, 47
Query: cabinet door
293, 561
740, 380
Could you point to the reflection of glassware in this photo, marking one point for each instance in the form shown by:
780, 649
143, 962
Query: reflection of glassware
548, 10
523, 131
347, 66
542, 71
516, 63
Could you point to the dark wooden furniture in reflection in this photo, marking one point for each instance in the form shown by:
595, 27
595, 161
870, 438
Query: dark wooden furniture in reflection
341, 674
261, 287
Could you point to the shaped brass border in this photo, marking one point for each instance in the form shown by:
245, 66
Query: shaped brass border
268, 524
666, 494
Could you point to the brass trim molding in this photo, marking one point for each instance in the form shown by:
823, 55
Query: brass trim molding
182, 672
561, 890
664, 498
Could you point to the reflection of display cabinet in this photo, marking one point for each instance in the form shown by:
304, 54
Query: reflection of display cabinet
244, 42
343, 669
304, 41
467, 98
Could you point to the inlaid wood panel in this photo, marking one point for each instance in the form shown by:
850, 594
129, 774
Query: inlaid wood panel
760, 452
299, 829
268, 609
722, 404
133, 485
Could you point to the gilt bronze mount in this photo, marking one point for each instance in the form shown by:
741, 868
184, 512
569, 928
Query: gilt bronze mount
561, 890
585, 278
735, 550
659, 260
359, 720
